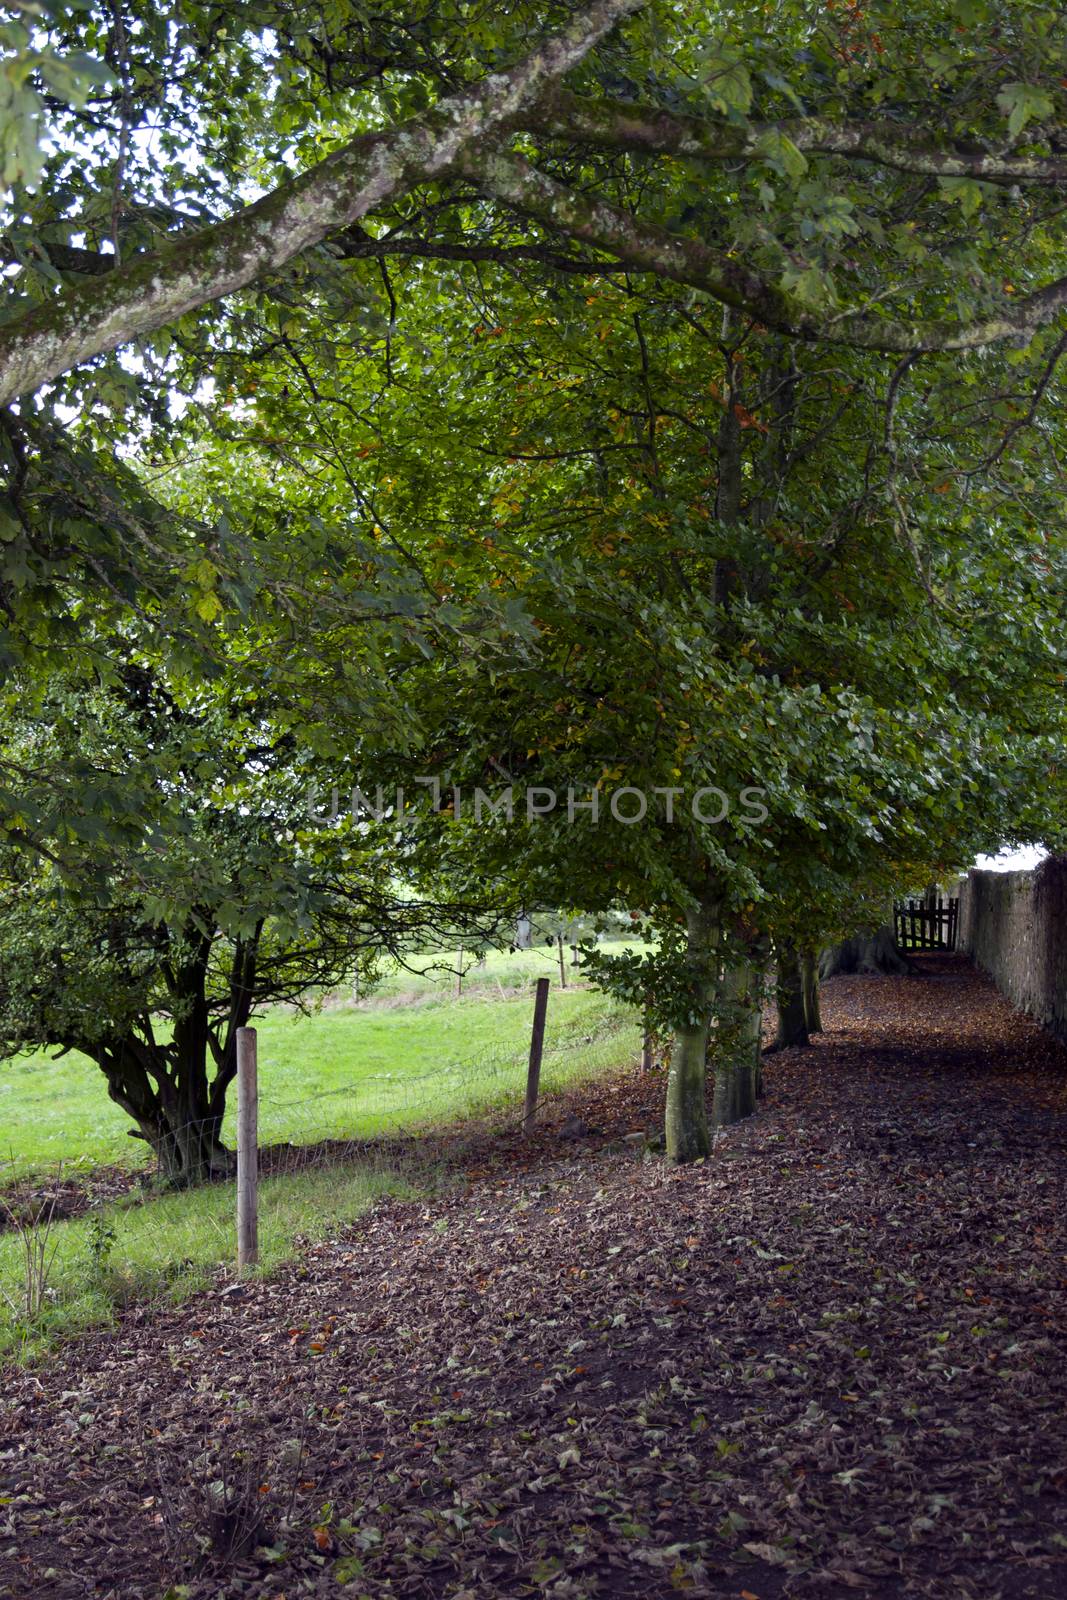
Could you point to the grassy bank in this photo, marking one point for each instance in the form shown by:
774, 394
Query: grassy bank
344, 1072
347, 1072
167, 1246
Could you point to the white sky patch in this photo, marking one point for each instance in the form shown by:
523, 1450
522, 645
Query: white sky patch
1022, 858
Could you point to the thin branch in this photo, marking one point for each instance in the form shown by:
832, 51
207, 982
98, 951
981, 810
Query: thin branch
356, 245
122, 58
616, 125
1027, 421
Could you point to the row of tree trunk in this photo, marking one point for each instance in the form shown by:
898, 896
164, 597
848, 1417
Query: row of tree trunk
724, 1032
798, 997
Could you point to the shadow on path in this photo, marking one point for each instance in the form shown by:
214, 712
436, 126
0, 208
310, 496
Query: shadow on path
828, 1361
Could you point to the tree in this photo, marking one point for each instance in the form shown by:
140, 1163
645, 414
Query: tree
721, 592
719, 555
809, 985
809, 132
232, 900
793, 996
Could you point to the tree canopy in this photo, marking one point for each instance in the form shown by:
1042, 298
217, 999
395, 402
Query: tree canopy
604, 397
808, 166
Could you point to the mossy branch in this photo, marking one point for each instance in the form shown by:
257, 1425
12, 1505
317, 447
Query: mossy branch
649, 248
90, 318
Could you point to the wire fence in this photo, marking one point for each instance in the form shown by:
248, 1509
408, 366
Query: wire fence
464, 1084
74, 1245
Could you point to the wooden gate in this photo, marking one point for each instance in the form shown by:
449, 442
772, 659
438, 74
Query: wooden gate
926, 924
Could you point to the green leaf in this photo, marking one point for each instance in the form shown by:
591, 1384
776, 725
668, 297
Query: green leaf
1022, 103
726, 81
779, 152
10, 526
810, 285
348, 1569
965, 191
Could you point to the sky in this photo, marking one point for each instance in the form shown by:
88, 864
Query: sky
1023, 859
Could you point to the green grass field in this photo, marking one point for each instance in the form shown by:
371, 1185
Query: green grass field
410, 1058
344, 1072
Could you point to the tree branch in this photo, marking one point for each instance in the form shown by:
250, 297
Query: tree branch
355, 245
616, 125
649, 248
88, 319
1059, 349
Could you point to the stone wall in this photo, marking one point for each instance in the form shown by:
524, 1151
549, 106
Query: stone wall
1014, 926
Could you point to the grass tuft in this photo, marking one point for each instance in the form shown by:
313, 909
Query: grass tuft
167, 1246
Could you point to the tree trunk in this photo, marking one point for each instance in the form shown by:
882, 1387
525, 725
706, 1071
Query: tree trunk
192, 1152
163, 1085
752, 1033
181, 1129
809, 983
686, 1120
865, 953
789, 993
737, 1057
728, 452
686, 1114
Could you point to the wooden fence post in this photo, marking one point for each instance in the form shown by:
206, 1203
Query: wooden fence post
562, 963
247, 1150
537, 1043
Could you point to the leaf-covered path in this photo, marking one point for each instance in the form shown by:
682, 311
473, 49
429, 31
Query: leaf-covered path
828, 1361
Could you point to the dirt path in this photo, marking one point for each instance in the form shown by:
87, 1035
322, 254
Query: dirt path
828, 1361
